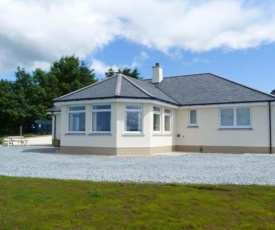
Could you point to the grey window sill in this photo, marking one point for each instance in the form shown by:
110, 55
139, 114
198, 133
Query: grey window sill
100, 134
168, 135
133, 135
235, 129
76, 134
192, 126
157, 135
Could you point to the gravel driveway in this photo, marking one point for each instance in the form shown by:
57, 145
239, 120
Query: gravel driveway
41, 161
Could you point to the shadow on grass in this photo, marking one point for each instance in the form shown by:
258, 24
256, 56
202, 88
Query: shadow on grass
48, 150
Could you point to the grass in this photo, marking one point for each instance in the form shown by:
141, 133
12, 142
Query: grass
27, 203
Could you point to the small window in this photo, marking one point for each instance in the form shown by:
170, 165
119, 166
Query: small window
133, 121
235, 118
101, 118
167, 120
157, 120
76, 119
192, 117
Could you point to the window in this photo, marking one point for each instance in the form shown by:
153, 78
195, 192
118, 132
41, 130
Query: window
101, 118
167, 120
76, 119
235, 118
192, 117
156, 124
133, 122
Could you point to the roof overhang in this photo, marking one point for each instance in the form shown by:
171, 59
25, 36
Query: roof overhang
114, 100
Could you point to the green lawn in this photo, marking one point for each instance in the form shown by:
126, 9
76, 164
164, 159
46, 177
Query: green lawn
27, 203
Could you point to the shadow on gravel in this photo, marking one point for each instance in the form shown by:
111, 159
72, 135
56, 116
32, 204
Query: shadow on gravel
41, 150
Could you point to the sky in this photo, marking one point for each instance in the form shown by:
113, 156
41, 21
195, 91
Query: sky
234, 39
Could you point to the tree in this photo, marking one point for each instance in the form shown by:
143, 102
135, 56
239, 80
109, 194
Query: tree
110, 73
27, 98
71, 74
126, 71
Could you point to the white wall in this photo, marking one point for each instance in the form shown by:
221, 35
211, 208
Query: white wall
58, 128
209, 134
118, 137
87, 139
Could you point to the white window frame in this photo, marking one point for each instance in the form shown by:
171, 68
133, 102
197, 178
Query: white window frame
189, 117
133, 110
160, 119
170, 116
101, 110
76, 111
235, 126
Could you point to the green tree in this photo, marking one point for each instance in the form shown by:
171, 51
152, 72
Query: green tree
30, 98
126, 71
110, 73
27, 98
71, 74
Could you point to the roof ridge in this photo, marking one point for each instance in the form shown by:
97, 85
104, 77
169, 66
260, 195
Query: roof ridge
185, 75
76, 91
272, 96
143, 90
118, 85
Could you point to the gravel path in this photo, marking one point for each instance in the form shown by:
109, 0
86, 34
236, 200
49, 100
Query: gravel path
41, 161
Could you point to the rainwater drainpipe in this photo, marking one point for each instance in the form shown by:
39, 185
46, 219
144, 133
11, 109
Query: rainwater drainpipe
270, 127
54, 131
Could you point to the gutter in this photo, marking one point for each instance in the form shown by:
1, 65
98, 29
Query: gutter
270, 128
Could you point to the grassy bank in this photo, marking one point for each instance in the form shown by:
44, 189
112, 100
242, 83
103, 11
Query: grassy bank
55, 204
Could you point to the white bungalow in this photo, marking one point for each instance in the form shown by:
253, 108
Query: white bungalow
199, 113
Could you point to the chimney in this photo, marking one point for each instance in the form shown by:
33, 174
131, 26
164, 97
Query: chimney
157, 73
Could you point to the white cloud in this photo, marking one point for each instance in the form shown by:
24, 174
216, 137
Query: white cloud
100, 67
40, 31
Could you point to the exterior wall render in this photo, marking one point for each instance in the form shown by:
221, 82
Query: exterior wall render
208, 132
183, 138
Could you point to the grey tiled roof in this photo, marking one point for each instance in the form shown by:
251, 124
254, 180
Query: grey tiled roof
197, 89
119, 86
200, 89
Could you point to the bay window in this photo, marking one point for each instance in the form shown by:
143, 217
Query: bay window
167, 120
157, 120
133, 121
101, 118
76, 119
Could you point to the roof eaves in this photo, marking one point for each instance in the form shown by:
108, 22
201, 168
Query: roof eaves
223, 103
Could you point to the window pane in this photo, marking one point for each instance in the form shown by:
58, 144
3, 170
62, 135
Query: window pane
133, 107
156, 122
77, 108
77, 122
167, 123
193, 117
101, 121
243, 117
167, 111
133, 122
227, 117
98, 107
156, 109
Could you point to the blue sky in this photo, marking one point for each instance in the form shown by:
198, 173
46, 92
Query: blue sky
234, 39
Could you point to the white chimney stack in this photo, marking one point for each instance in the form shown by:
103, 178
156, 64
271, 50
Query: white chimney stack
157, 73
